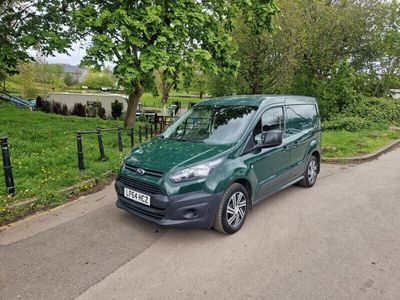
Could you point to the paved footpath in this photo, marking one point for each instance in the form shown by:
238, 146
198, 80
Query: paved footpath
337, 240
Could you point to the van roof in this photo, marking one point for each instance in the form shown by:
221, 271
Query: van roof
257, 100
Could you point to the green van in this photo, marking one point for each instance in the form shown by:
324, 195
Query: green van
220, 158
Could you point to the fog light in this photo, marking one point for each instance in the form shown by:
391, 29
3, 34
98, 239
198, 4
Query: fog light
191, 213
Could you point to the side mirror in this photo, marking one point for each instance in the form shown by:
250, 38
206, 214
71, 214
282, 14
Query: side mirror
272, 139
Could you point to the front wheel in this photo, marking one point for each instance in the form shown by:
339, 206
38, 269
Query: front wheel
311, 172
232, 210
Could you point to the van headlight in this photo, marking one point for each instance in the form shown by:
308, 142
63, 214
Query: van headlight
195, 172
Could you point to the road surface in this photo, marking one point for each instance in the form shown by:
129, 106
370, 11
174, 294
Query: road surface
337, 240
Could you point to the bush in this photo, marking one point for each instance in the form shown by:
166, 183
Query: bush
116, 109
56, 108
39, 103
379, 111
79, 110
101, 112
64, 110
347, 123
46, 106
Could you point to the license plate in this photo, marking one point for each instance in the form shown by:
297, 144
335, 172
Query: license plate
136, 196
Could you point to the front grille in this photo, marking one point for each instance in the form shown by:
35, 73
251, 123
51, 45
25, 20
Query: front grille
147, 171
141, 185
150, 212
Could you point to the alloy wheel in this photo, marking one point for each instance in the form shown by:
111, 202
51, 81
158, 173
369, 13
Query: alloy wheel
236, 209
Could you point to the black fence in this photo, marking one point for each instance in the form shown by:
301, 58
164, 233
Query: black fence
8, 175
144, 133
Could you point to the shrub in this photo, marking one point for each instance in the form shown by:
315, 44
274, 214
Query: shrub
56, 108
347, 123
101, 112
46, 106
39, 103
116, 109
79, 110
379, 111
64, 110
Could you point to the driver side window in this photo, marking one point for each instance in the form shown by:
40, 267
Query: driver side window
271, 120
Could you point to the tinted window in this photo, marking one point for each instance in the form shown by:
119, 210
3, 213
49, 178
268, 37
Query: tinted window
212, 124
272, 119
300, 117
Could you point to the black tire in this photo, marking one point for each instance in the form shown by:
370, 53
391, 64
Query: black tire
235, 194
311, 172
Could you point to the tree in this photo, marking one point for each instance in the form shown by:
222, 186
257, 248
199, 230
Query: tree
95, 79
38, 24
140, 37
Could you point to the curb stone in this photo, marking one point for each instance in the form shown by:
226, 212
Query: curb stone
363, 158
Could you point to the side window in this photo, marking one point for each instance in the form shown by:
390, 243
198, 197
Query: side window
300, 117
271, 120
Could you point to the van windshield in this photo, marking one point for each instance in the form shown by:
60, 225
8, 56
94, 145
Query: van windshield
212, 124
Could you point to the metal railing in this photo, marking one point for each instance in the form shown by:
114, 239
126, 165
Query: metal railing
8, 174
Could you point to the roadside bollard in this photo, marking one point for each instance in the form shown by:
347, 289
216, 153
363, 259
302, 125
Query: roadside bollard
81, 164
8, 175
101, 145
119, 134
131, 133
140, 134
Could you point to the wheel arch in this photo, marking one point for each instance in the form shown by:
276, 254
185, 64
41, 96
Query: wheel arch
247, 185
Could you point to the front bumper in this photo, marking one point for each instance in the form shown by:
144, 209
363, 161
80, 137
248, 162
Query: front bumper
190, 210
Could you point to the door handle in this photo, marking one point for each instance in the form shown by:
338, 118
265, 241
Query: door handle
294, 145
284, 148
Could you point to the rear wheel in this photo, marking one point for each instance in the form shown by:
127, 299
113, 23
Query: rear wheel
232, 210
311, 172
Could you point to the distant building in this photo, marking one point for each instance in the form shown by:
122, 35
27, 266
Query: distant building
78, 74
395, 93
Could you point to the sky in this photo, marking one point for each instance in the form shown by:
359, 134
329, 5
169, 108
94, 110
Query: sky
74, 58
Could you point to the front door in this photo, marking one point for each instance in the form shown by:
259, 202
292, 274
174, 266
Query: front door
301, 124
269, 166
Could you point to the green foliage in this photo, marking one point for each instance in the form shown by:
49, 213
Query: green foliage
333, 50
173, 36
99, 79
79, 110
350, 124
378, 111
69, 80
37, 78
116, 109
38, 24
336, 92
366, 113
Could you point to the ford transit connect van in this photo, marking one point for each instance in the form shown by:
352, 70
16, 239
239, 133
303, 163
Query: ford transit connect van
219, 159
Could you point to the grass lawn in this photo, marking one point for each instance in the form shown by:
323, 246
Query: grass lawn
346, 144
43, 154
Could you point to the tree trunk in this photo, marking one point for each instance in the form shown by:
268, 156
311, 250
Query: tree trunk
201, 94
165, 91
133, 101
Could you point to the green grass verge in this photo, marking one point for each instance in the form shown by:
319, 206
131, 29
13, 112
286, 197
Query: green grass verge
348, 144
43, 154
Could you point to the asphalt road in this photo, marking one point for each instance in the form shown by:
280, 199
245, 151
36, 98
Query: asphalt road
337, 240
